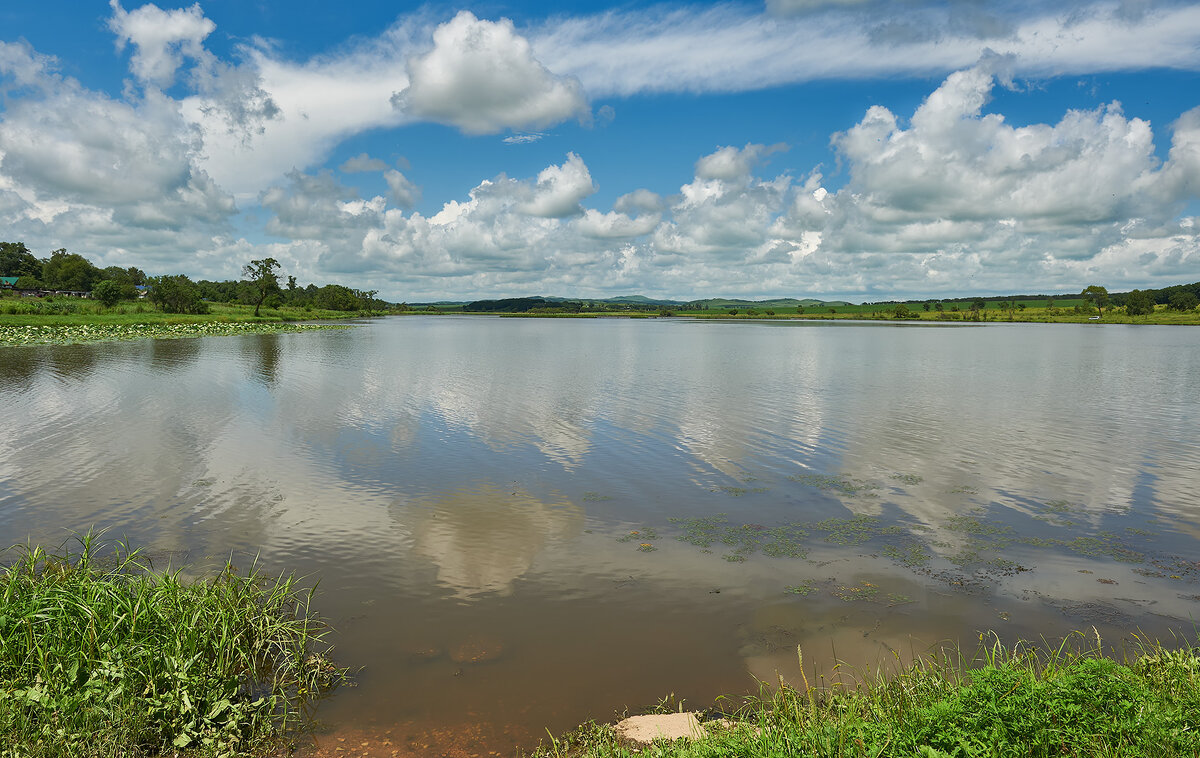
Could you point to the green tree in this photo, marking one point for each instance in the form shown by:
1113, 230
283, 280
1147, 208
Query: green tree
1183, 301
263, 278
132, 275
69, 271
1096, 295
1139, 303
16, 260
335, 297
110, 292
176, 294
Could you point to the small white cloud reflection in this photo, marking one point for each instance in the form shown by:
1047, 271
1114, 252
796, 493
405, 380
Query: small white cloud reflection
484, 539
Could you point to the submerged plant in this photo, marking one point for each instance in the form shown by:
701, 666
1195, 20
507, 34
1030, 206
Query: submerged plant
101, 656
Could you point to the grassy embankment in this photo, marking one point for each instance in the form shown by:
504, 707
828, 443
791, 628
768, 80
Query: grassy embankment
1021, 701
102, 656
25, 321
1034, 311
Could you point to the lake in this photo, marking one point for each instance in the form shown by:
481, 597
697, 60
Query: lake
522, 524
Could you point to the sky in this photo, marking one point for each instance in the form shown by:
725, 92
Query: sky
838, 149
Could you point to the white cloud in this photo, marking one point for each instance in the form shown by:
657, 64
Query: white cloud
482, 77
560, 189
945, 199
161, 39
402, 192
103, 176
361, 164
731, 48
948, 200
523, 139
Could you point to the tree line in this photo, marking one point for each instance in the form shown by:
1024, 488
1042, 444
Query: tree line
177, 293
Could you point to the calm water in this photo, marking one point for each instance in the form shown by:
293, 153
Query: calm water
467, 490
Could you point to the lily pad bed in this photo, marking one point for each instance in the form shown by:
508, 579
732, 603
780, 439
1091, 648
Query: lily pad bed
85, 333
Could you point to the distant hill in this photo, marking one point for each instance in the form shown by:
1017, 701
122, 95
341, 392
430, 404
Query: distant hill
524, 303
622, 299
779, 302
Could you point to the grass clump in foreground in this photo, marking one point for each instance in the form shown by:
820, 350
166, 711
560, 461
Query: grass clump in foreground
102, 657
1020, 701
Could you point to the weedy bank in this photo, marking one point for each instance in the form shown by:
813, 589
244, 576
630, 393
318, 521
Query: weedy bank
102, 656
1026, 701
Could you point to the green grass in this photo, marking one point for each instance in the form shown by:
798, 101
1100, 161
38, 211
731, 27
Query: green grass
1023, 701
74, 311
102, 656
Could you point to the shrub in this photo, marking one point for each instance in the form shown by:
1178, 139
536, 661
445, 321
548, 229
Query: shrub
176, 294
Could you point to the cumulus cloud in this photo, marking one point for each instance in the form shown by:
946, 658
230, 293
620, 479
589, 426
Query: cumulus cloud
401, 190
945, 199
361, 164
482, 77
954, 164
560, 189
103, 174
161, 39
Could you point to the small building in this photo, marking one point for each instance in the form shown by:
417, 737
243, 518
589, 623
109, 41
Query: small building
8, 282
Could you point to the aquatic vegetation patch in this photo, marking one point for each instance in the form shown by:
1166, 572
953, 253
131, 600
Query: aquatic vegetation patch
1057, 506
861, 591
1104, 545
972, 525
855, 530
103, 656
34, 334
746, 539
595, 497
804, 589
910, 556
639, 535
908, 478
739, 491
841, 484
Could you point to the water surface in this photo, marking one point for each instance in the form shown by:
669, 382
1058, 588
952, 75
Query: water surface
524, 523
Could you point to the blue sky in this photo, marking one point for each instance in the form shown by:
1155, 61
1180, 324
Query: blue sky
848, 149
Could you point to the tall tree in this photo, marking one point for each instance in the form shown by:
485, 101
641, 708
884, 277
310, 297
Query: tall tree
1097, 295
1139, 303
16, 260
70, 271
262, 276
